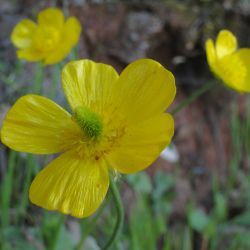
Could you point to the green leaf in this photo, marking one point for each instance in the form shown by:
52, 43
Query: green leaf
90, 244
15, 239
220, 210
198, 220
65, 240
187, 241
243, 219
142, 231
163, 183
140, 182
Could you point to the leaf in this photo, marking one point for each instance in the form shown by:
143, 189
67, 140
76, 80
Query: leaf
220, 210
163, 183
198, 220
140, 182
142, 231
16, 240
187, 239
91, 244
243, 219
65, 240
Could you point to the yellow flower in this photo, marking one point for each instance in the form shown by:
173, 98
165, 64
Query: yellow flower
230, 64
117, 122
49, 40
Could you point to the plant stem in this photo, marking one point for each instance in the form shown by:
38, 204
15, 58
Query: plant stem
57, 231
204, 88
6, 188
6, 192
27, 181
39, 75
120, 214
56, 73
90, 226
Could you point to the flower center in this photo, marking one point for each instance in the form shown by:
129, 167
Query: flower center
89, 122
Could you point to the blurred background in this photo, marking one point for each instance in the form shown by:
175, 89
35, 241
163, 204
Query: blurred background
197, 194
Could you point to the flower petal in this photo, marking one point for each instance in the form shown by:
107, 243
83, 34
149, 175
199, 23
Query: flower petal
142, 144
71, 30
87, 83
70, 35
30, 54
145, 89
212, 58
37, 125
21, 35
226, 43
51, 17
235, 70
244, 55
71, 185
211, 53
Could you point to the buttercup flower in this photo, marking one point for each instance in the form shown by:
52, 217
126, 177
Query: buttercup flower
49, 40
117, 123
230, 64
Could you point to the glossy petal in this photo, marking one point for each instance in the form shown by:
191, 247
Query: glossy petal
211, 53
226, 43
71, 31
30, 54
87, 83
22, 34
51, 17
71, 185
244, 55
145, 88
142, 144
235, 70
70, 37
35, 124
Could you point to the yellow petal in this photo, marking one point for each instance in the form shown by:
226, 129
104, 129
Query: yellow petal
21, 35
142, 144
234, 70
71, 31
51, 17
244, 55
210, 51
145, 88
226, 43
37, 125
70, 37
87, 83
30, 54
71, 185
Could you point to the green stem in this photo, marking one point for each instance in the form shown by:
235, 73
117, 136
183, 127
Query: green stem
247, 138
55, 79
38, 81
204, 88
120, 214
75, 53
90, 225
57, 231
7, 187
29, 171
6, 191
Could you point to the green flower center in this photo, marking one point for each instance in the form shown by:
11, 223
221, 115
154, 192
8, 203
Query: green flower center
89, 122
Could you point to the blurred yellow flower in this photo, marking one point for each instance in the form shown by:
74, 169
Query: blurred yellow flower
230, 64
49, 40
117, 122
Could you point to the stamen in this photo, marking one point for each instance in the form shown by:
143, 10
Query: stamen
89, 121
